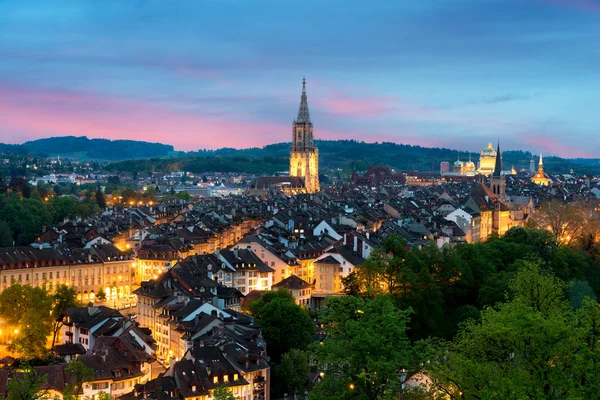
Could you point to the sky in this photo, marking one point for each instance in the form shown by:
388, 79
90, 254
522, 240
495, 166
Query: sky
205, 74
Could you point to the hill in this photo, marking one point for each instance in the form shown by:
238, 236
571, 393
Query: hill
82, 148
137, 156
338, 154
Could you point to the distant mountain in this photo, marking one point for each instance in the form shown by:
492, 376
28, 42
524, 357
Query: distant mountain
83, 148
137, 156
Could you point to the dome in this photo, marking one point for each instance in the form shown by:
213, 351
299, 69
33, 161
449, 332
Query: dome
470, 164
458, 163
488, 151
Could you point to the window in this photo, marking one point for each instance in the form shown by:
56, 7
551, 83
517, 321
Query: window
225, 378
216, 379
236, 377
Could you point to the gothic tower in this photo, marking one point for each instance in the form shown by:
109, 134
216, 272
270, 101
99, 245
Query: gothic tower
498, 178
304, 157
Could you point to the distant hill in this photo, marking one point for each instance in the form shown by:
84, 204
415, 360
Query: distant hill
340, 154
137, 156
83, 148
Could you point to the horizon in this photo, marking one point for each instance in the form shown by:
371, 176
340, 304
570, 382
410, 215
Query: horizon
430, 74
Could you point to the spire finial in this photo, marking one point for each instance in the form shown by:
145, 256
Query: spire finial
498, 166
541, 161
303, 114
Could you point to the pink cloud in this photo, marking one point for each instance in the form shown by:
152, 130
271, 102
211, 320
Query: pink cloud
543, 142
45, 113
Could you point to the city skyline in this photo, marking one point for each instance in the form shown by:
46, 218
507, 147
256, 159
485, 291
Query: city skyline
228, 74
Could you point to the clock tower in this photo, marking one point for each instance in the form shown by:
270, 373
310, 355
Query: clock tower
304, 156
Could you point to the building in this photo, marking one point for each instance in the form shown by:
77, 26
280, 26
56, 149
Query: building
487, 160
298, 287
466, 168
100, 267
304, 158
540, 177
444, 167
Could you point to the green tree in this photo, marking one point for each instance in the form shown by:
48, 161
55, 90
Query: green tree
100, 295
6, 236
366, 353
27, 386
64, 297
17, 298
101, 199
292, 375
223, 393
533, 346
80, 374
285, 325
31, 340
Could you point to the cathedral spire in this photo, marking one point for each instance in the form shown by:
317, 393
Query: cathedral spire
541, 162
498, 166
303, 114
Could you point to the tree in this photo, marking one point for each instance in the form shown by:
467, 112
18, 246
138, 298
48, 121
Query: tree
17, 298
285, 325
80, 374
366, 353
101, 199
533, 346
293, 372
564, 220
223, 393
6, 236
101, 295
64, 297
32, 337
28, 385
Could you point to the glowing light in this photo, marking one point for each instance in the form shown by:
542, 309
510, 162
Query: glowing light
16, 331
351, 386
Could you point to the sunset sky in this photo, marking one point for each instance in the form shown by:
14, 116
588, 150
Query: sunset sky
208, 74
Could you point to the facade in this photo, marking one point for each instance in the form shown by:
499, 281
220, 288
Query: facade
466, 168
487, 161
540, 178
304, 157
444, 167
87, 270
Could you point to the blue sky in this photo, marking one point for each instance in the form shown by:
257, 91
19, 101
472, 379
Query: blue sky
207, 74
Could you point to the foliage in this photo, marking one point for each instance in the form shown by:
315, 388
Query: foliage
223, 393
28, 386
366, 353
64, 297
292, 374
80, 374
284, 324
6, 235
25, 217
100, 295
445, 286
533, 346
31, 340
17, 298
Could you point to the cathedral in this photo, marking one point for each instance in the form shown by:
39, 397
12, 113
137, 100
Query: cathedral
304, 159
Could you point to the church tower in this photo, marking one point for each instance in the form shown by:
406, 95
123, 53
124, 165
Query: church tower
304, 157
498, 178
540, 177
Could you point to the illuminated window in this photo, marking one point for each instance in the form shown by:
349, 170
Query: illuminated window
216, 379
225, 378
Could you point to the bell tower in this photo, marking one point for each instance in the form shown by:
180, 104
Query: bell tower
304, 156
498, 179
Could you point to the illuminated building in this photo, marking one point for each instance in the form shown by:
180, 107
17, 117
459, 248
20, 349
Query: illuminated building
487, 161
540, 177
304, 157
